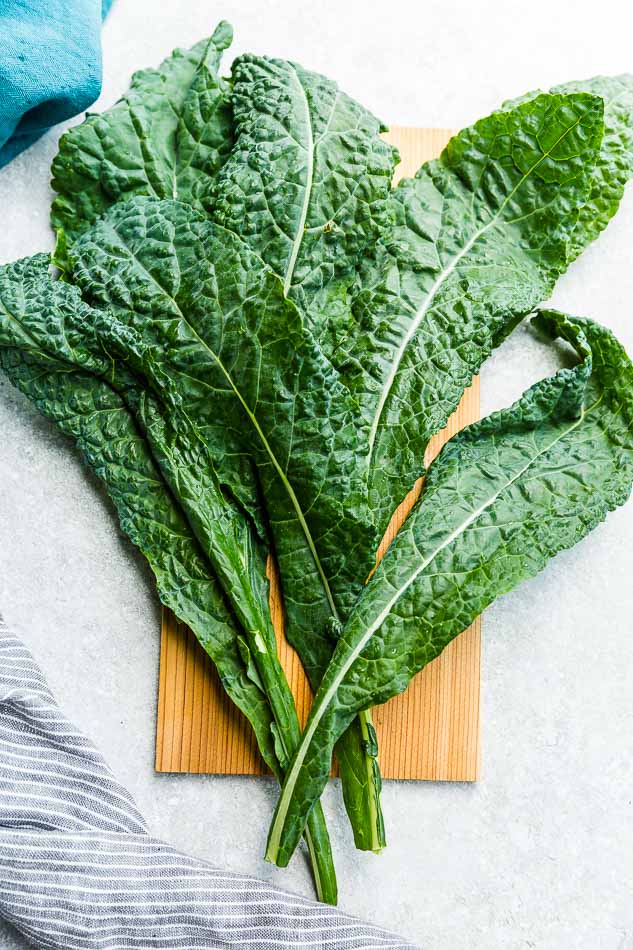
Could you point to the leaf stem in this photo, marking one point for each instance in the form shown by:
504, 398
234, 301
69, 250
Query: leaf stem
376, 823
289, 734
356, 753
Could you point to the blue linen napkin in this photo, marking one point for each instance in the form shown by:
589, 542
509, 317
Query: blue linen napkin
50, 66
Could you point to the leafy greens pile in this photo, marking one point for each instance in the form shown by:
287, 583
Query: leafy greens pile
251, 337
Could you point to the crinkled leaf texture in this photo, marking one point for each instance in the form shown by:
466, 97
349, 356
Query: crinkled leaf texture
464, 316
45, 357
167, 137
324, 411
504, 496
306, 184
480, 237
208, 564
614, 167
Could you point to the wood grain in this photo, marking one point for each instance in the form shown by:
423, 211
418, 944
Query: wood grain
430, 732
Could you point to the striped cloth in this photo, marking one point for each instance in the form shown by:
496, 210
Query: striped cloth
79, 869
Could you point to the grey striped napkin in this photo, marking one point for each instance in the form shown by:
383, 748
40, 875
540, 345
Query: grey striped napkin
79, 869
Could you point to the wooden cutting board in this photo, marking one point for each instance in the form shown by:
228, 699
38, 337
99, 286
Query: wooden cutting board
430, 732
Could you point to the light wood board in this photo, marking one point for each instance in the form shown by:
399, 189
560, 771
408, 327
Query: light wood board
429, 732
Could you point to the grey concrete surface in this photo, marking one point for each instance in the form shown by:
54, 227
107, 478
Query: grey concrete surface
538, 854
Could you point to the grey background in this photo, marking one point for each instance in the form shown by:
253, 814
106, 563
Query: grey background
539, 854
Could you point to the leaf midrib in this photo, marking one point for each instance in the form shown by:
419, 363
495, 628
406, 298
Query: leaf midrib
307, 192
441, 279
34, 345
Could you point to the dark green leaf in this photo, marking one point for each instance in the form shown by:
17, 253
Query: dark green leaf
481, 236
64, 381
306, 184
167, 137
504, 496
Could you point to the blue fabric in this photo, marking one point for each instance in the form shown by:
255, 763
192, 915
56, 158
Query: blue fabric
50, 66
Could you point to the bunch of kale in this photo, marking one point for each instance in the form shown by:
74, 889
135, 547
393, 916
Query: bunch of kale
252, 336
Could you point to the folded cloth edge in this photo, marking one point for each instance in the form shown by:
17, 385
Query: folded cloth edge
79, 869
50, 67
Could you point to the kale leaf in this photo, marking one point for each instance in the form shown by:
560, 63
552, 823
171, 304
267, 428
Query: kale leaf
167, 137
503, 497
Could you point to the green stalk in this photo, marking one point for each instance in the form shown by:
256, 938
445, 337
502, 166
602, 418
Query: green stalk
357, 757
287, 740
